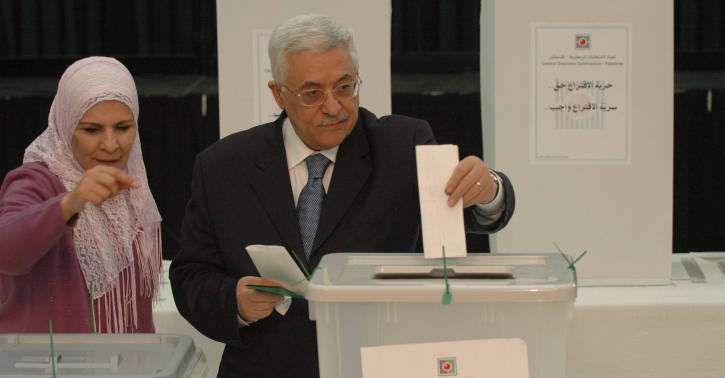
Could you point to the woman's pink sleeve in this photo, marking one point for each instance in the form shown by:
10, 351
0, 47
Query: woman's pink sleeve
31, 222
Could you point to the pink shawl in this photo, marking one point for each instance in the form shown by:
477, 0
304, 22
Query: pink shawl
105, 237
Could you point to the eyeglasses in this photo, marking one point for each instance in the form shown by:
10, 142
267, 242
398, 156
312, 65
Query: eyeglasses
316, 97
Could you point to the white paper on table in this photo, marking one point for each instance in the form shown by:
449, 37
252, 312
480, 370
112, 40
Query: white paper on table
273, 261
442, 225
485, 358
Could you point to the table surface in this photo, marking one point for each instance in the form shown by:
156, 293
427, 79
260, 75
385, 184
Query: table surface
675, 330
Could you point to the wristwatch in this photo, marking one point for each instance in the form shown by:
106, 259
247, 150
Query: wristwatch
497, 180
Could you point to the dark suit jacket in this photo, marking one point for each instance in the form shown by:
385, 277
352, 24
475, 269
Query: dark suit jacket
241, 195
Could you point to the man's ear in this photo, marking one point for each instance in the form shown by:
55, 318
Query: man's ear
277, 93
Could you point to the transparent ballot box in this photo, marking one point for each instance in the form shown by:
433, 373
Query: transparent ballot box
372, 299
101, 355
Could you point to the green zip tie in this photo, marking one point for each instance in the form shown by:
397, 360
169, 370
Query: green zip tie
93, 330
52, 351
447, 296
572, 262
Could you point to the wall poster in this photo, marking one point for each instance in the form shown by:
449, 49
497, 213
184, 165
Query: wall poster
580, 97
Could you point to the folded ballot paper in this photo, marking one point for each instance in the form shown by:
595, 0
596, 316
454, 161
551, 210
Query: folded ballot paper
442, 225
273, 261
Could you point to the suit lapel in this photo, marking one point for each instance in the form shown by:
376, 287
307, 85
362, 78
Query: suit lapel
353, 166
271, 183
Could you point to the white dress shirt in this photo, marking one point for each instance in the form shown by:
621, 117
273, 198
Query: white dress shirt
297, 151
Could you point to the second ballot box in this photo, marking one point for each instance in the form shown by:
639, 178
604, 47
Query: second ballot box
101, 355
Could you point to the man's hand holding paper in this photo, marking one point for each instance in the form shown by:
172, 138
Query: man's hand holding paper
471, 181
252, 304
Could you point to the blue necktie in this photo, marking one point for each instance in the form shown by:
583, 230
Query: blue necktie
309, 205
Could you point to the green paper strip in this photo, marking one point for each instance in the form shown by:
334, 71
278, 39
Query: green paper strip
276, 290
282, 291
52, 351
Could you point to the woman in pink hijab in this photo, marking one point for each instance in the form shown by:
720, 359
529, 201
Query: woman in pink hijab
80, 239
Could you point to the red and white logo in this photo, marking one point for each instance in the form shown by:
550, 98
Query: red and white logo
447, 367
582, 41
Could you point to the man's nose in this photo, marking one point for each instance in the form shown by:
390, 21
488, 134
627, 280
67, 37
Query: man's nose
331, 105
109, 141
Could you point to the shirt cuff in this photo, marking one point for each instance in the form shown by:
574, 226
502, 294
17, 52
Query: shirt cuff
283, 305
489, 213
241, 322
280, 307
496, 205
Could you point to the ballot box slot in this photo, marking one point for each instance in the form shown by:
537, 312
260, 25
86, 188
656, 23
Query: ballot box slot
453, 272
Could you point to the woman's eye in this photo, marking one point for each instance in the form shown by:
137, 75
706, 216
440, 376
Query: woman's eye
90, 130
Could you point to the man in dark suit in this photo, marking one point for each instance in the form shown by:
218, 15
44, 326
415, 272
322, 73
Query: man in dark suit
258, 187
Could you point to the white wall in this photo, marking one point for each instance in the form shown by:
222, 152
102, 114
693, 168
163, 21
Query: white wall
237, 20
620, 213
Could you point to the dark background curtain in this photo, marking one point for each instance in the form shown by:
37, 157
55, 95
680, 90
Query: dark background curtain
172, 132
438, 40
699, 34
42, 37
21, 121
435, 25
699, 177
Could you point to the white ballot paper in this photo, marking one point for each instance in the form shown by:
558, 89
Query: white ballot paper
442, 225
487, 358
273, 261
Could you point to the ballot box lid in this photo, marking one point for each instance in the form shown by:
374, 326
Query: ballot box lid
100, 355
409, 277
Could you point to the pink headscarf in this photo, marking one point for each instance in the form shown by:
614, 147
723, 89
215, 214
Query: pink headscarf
104, 236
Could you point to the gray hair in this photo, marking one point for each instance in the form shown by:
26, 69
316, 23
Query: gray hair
314, 32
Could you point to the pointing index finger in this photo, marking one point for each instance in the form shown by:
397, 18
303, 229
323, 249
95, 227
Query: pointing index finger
124, 180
